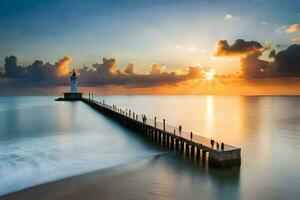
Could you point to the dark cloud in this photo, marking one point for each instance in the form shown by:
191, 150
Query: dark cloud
252, 67
36, 74
39, 71
238, 48
12, 69
249, 51
286, 62
272, 54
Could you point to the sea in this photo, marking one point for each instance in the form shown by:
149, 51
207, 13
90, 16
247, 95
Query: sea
42, 141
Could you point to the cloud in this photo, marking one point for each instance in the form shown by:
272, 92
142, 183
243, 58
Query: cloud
228, 16
253, 67
113, 76
38, 73
198, 71
239, 48
63, 66
296, 39
155, 69
129, 69
272, 54
195, 71
286, 62
107, 68
267, 45
292, 29
99, 74
12, 69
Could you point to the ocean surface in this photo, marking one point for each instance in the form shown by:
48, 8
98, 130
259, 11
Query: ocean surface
42, 140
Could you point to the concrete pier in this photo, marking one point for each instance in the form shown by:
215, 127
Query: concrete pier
170, 136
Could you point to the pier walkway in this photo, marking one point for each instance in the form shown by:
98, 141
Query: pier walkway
164, 135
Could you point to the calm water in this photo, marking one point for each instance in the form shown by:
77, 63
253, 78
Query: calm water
42, 140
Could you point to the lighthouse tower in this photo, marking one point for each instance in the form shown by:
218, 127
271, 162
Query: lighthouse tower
74, 83
74, 95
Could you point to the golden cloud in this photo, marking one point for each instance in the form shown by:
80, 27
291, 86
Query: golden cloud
292, 29
296, 39
63, 65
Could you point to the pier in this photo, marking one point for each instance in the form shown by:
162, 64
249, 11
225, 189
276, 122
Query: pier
170, 137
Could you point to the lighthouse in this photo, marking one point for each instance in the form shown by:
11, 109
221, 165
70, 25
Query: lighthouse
74, 82
73, 95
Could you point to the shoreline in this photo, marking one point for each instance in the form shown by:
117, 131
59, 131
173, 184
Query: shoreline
73, 184
147, 178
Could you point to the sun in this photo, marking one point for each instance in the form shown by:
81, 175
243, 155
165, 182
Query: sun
209, 74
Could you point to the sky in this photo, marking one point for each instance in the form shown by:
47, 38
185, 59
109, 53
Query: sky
173, 33
153, 46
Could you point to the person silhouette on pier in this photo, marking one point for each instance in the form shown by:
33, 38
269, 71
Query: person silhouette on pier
180, 129
144, 119
222, 146
212, 142
191, 135
217, 145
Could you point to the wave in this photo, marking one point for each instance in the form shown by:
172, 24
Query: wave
29, 162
